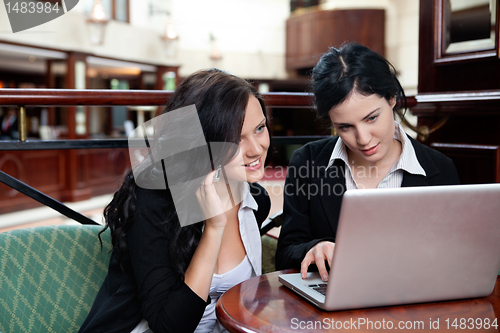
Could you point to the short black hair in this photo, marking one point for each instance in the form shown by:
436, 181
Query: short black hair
353, 67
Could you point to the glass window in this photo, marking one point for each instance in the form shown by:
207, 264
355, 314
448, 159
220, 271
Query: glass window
108, 7
296, 4
115, 9
121, 10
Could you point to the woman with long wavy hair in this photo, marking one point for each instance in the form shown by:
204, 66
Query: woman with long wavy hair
167, 270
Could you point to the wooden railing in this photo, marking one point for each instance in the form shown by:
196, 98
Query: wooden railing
23, 98
71, 97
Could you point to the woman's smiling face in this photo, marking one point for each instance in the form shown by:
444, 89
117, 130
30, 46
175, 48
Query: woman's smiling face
366, 126
248, 165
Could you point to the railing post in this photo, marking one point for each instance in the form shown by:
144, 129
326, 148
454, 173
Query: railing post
22, 124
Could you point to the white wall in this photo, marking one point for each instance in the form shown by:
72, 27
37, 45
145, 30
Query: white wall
401, 34
250, 34
402, 42
70, 32
401, 39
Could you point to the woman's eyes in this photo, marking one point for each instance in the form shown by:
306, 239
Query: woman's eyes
369, 119
260, 128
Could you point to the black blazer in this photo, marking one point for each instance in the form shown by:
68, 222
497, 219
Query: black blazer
313, 195
150, 289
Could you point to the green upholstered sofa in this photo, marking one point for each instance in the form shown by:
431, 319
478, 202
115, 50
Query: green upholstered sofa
49, 277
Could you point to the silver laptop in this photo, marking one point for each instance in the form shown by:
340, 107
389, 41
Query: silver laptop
410, 245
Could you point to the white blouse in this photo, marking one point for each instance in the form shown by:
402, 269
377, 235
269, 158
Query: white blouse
220, 284
407, 162
250, 266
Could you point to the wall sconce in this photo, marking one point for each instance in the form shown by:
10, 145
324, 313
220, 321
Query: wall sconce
97, 21
215, 54
170, 37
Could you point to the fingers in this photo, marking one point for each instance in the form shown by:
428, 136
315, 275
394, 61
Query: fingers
209, 179
206, 187
320, 263
305, 264
318, 254
329, 248
210, 202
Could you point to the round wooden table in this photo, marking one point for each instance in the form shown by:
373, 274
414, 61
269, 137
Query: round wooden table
263, 304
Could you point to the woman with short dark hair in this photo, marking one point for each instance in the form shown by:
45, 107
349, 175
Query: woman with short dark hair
358, 91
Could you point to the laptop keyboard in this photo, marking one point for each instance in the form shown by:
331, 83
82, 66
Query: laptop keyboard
320, 288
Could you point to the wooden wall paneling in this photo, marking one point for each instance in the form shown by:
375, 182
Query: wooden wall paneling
465, 88
305, 41
310, 35
291, 48
121, 162
464, 129
365, 26
43, 170
82, 168
98, 165
76, 188
476, 164
426, 70
299, 43
12, 164
107, 167
474, 116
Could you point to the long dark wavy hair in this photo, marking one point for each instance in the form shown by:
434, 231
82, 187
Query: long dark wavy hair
353, 67
220, 99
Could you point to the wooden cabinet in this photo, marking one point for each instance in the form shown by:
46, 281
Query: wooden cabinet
459, 83
310, 35
471, 65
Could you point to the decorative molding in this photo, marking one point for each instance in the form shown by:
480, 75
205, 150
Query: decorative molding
458, 96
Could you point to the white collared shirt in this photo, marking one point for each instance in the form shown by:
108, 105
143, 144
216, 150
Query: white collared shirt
407, 162
250, 266
249, 230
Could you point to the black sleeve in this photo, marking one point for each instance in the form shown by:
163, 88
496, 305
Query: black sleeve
448, 171
167, 303
262, 198
296, 236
